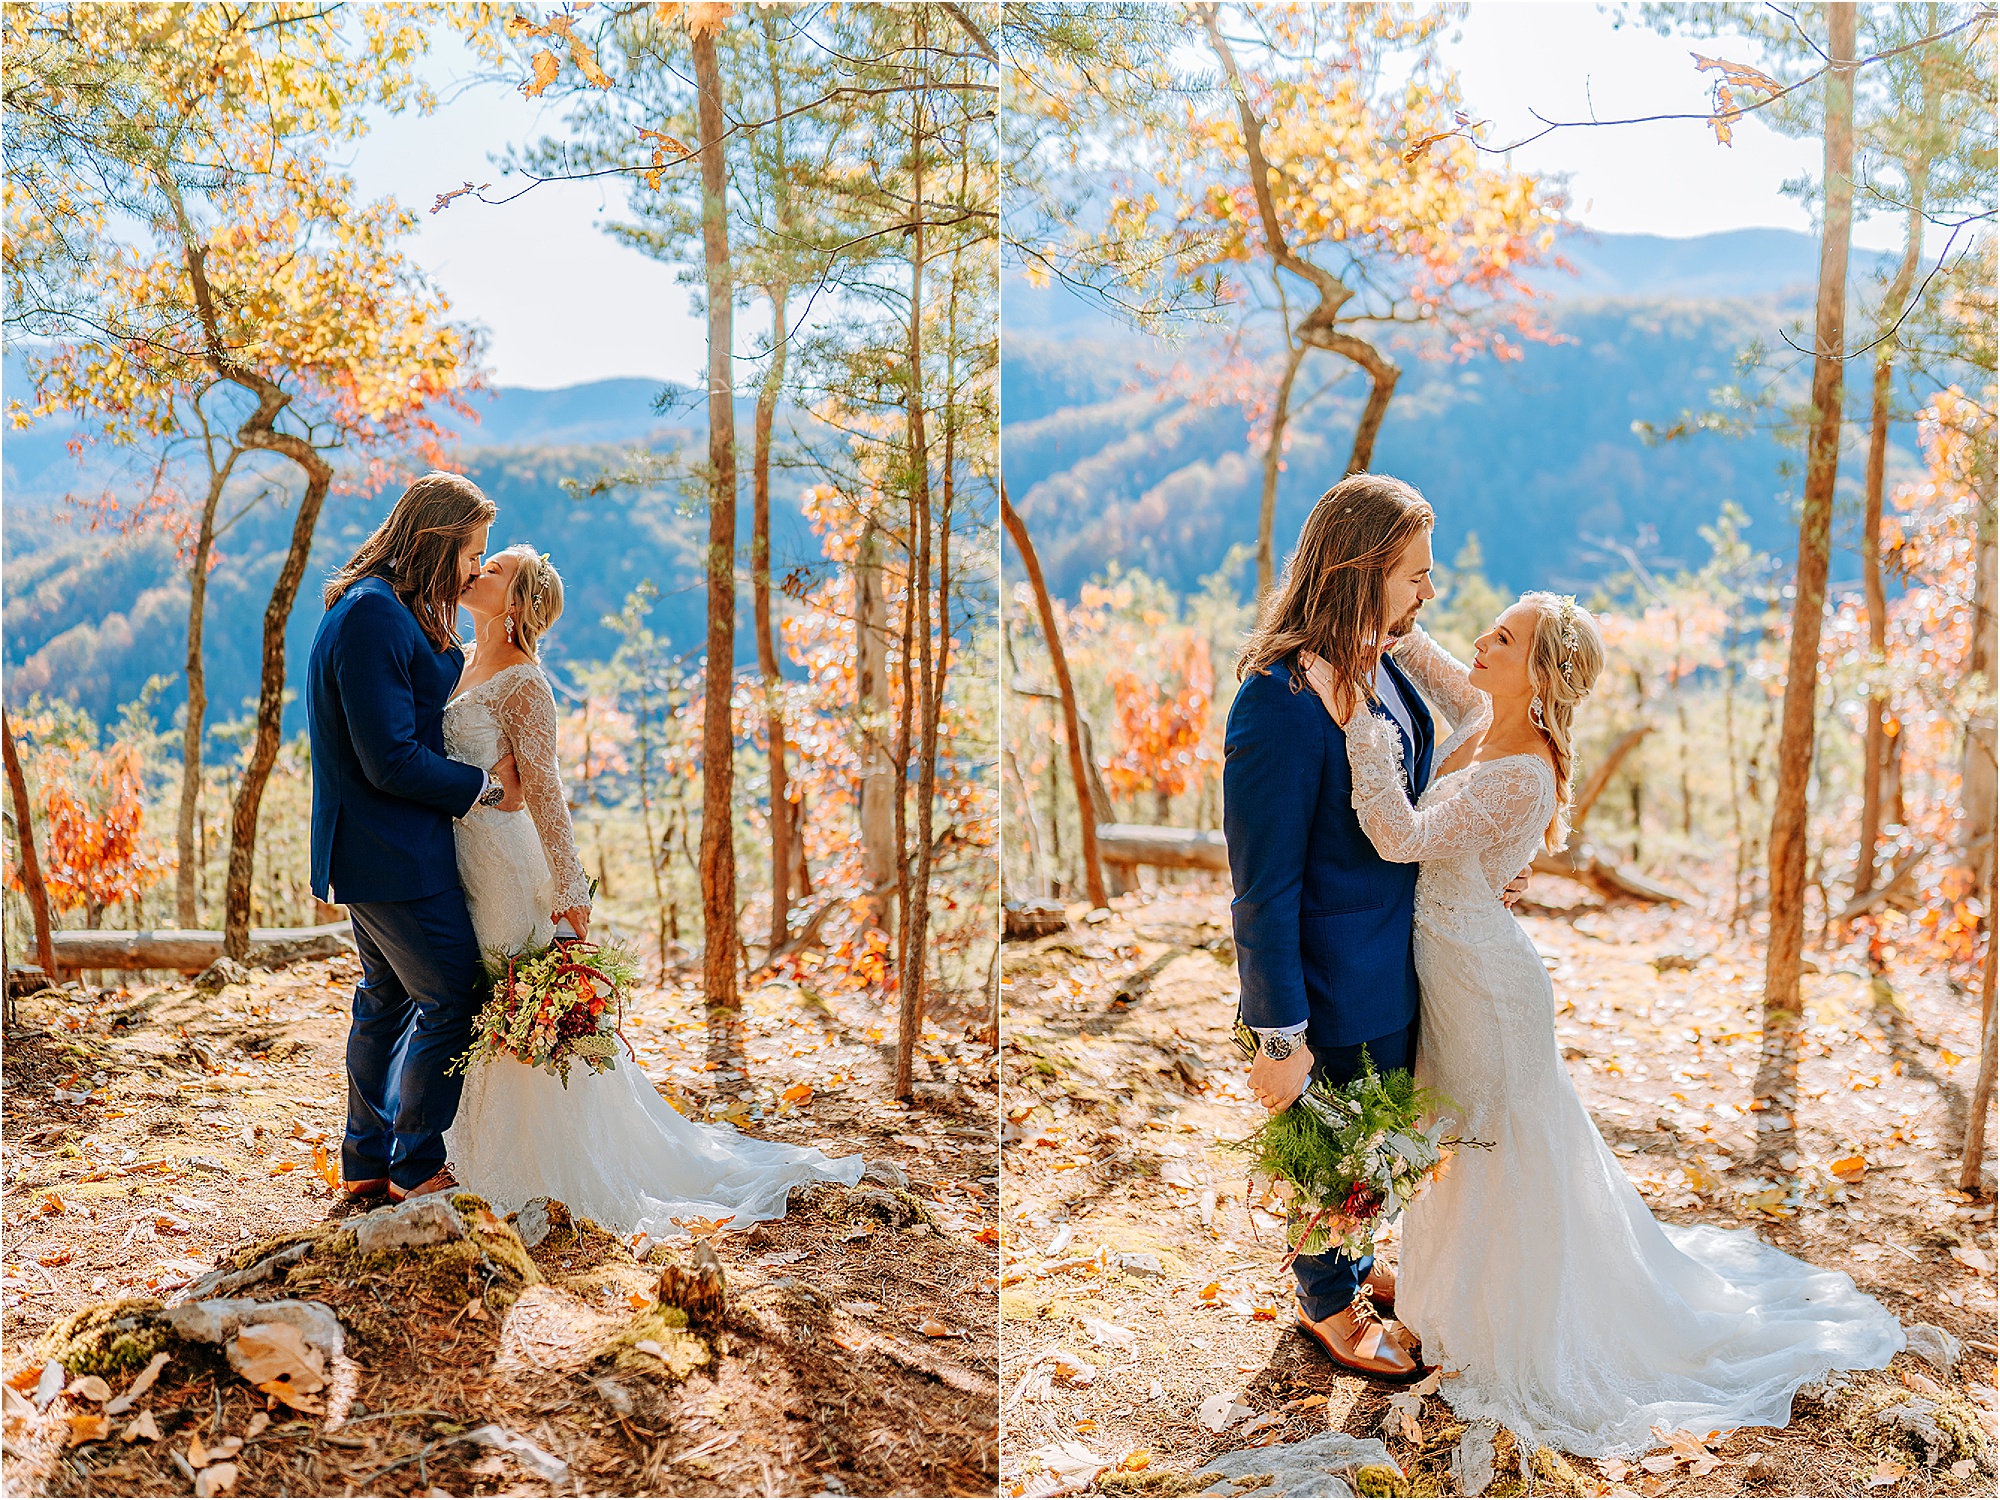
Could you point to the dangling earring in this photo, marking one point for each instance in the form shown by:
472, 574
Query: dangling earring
510, 641
1534, 708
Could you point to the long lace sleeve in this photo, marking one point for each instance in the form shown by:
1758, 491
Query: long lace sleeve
1496, 804
1443, 677
527, 715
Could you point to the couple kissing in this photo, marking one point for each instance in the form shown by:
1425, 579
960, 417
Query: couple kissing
439, 819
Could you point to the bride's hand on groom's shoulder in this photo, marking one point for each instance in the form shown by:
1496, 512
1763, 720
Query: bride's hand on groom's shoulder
1319, 677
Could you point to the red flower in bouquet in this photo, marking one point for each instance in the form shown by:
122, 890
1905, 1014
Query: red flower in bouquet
1361, 1204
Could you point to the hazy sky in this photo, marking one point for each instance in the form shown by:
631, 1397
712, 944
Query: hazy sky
563, 303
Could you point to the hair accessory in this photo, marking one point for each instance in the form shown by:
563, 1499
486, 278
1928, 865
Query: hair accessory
1566, 633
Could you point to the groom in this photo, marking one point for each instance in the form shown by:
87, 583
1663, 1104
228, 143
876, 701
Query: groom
384, 661
1322, 921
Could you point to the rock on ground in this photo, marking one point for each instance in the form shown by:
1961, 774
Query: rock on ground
1320, 1466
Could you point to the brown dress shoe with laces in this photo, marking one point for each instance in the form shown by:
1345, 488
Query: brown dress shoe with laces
1380, 1285
1356, 1339
440, 1181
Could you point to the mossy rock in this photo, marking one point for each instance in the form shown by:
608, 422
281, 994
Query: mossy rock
243, 1258
1957, 1419
895, 1207
108, 1338
1156, 1482
681, 1352
497, 1238
1379, 1479
1555, 1475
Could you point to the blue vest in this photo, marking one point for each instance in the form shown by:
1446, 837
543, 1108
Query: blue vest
384, 793
1322, 921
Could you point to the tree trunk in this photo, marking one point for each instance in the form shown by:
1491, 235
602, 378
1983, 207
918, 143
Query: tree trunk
916, 905
718, 737
271, 689
29, 854
1875, 739
1267, 510
876, 801
1977, 780
1775, 1093
1034, 827
187, 874
1982, 1092
767, 649
1093, 872
1382, 377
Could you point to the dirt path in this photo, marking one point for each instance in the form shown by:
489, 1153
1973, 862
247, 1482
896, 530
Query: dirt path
153, 1133
1129, 1250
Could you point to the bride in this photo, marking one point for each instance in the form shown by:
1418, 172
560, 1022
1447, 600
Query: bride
607, 1146
1534, 1270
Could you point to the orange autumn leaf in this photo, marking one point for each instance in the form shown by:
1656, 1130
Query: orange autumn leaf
324, 1166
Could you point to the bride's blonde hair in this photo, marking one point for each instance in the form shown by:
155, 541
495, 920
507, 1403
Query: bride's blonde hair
1564, 658
534, 598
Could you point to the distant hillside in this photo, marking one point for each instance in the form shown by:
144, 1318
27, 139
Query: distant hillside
1109, 462
91, 617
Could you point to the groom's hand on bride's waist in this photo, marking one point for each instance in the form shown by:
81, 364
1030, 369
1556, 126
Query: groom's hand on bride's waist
1512, 895
1277, 1082
510, 785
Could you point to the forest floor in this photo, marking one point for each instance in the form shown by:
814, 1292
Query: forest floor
1137, 1286
156, 1132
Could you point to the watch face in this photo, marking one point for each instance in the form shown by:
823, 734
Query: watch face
1278, 1048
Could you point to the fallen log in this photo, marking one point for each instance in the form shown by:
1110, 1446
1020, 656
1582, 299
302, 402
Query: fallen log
1164, 848
191, 952
1583, 864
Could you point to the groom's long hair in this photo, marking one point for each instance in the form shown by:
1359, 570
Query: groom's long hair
1332, 597
416, 548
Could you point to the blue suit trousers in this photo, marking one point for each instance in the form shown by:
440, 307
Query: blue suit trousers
1327, 1283
421, 989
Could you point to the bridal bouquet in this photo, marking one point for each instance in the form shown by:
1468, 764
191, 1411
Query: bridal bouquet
553, 1006
1346, 1161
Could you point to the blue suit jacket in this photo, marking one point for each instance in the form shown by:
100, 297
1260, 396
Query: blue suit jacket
1322, 921
384, 794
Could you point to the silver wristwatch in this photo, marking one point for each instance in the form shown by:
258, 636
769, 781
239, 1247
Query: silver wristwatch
1277, 1047
493, 795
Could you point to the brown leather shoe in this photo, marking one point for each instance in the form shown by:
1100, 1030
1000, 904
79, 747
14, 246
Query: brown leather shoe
1380, 1286
440, 1181
1356, 1339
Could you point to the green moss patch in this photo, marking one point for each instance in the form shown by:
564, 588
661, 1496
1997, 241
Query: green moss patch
681, 1352
1156, 1482
109, 1338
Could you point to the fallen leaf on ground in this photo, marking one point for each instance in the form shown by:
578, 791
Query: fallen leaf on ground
257, 1424
1614, 1469
1974, 1257
1108, 1334
143, 1426
1221, 1411
328, 1172
1849, 1168
90, 1387
798, 1093
267, 1352
1136, 1460
59, 1256
703, 1229
140, 1385
1885, 1474
88, 1427
291, 1395
214, 1480
932, 1328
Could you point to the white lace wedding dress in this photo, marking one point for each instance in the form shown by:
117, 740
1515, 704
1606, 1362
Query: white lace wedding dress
1534, 1269
608, 1146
